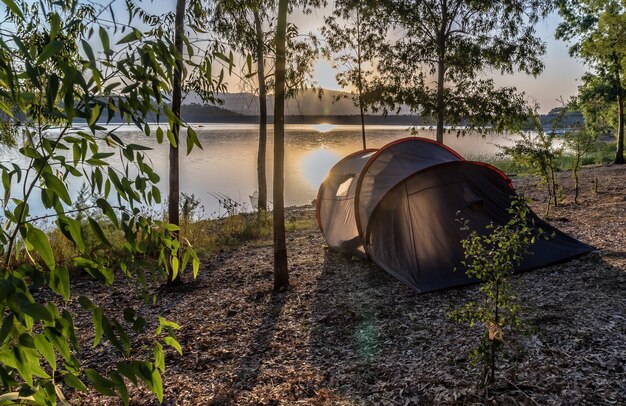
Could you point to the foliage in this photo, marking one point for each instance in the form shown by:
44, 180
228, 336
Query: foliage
451, 43
491, 257
539, 154
57, 93
580, 140
596, 31
352, 41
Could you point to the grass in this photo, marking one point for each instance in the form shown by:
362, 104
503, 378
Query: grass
603, 154
207, 236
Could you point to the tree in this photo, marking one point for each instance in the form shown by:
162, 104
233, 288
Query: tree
198, 78
597, 29
174, 175
281, 271
352, 40
597, 101
241, 23
451, 43
538, 153
491, 256
58, 94
580, 139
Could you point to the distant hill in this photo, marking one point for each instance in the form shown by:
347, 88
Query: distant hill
556, 117
306, 103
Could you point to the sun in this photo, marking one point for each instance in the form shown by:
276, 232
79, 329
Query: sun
316, 164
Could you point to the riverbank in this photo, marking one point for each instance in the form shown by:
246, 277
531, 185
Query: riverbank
346, 332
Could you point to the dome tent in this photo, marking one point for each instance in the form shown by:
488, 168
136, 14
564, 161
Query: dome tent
399, 206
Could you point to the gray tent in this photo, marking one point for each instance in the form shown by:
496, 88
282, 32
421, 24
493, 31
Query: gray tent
399, 206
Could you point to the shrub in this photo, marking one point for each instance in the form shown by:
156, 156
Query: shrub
491, 257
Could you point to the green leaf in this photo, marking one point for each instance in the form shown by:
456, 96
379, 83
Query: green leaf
150, 375
120, 385
72, 381
192, 139
39, 241
59, 342
6, 184
22, 364
36, 311
171, 341
159, 135
55, 25
102, 384
6, 328
89, 52
60, 281
128, 370
131, 36
76, 233
56, 185
14, 8
95, 114
52, 48
172, 138
159, 357
97, 324
104, 38
108, 211
97, 230
195, 263
46, 349
175, 264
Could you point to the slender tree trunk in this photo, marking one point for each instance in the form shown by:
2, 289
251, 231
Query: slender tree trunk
441, 71
281, 273
360, 73
174, 192
619, 156
362, 121
260, 56
440, 105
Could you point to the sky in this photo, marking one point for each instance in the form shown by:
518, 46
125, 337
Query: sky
559, 80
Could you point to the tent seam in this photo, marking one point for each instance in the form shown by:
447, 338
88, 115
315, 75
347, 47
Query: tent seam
417, 263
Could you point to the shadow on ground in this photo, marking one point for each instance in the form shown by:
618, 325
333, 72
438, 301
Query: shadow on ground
380, 342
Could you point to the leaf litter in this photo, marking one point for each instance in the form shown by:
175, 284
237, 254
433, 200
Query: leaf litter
347, 333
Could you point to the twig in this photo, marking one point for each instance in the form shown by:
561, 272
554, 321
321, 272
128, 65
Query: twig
521, 391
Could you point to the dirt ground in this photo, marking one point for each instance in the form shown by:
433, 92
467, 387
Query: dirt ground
346, 332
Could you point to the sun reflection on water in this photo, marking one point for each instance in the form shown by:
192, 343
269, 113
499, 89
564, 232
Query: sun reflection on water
316, 164
323, 128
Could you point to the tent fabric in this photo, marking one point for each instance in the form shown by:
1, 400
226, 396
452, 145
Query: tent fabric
390, 165
410, 227
335, 204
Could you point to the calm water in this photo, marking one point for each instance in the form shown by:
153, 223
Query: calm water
227, 163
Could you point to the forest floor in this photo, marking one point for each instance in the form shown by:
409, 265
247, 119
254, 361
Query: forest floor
346, 332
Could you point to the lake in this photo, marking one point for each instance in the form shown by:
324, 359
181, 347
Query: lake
226, 165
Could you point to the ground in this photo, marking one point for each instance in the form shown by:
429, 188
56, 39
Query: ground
346, 332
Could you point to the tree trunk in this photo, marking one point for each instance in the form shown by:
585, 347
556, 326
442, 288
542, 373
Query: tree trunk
360, 77
260, 56
281, 273
441, 71
619, 156
440, 105
174, 192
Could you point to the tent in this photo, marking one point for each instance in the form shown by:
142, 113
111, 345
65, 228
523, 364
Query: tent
399, 205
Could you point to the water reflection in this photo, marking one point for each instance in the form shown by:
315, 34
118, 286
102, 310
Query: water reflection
227, 164
323, 128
